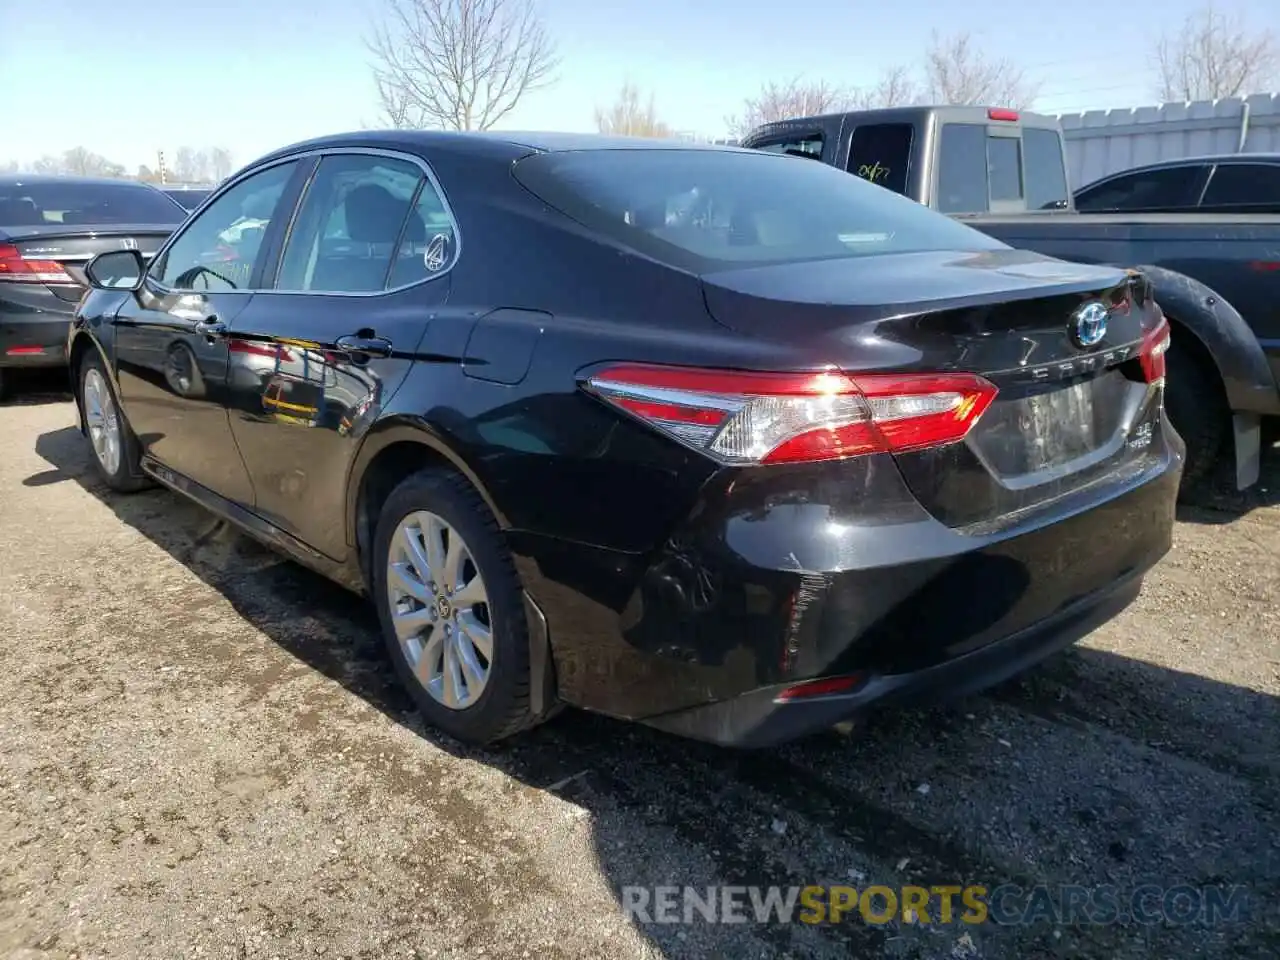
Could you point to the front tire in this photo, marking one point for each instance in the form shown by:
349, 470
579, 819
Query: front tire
451, 609
117, 455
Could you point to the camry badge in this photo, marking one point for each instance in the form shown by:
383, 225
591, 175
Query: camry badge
1089, 324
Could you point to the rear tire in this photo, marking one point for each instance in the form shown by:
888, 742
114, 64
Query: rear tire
1, 383
117, 455
1197, 407
446, 589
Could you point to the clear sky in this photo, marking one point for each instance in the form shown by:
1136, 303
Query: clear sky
125, 78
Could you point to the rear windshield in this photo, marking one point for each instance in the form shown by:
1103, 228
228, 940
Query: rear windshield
84, 204
705, 210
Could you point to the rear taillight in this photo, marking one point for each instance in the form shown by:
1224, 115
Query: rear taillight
14, 268
741, 417
1003, 114
1152, 356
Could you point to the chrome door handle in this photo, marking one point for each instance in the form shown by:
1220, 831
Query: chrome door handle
211, 328
370, 346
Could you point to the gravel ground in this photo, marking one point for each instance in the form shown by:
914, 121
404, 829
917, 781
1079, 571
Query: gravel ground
203, 754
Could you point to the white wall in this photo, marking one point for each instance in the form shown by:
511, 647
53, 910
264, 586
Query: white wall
1100, 142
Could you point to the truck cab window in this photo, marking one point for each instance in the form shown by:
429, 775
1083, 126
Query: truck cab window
1046, 175
881, 153
962, 169
806, 146
1004, 167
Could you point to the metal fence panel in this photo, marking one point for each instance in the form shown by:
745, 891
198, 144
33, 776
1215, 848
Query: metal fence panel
1101, 142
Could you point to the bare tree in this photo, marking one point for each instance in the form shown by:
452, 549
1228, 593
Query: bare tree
956, 71
1215, 55
895, 88
782, 101
221, 163
81, 162
190, 165
631, 116
458, 64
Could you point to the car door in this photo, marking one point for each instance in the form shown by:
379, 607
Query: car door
364, 268
171, 349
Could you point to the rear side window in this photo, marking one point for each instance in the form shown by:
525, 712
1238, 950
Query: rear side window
705, 210
1241, 184
1046, 176
362, 228
962, 169
84, 204
881, 153
1171, 188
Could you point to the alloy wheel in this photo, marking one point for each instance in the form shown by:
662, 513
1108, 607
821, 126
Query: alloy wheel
103, 420
440, 609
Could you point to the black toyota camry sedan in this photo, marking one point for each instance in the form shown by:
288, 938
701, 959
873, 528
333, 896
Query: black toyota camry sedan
708, 438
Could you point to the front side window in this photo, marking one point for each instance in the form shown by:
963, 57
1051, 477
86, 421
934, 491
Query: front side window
362, 228
1244, 184
220, 248
881, 153
1170, 188
705, 210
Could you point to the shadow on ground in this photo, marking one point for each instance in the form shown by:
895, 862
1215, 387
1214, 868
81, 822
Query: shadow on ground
1095, 769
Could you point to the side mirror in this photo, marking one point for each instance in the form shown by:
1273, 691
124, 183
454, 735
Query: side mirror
116, 270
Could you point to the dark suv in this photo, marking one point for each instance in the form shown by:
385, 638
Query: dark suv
713, 439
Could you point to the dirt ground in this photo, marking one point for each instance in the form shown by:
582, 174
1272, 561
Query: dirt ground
203, 754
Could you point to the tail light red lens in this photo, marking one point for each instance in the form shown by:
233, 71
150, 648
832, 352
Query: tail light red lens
15, 268
1152, 356
743, 417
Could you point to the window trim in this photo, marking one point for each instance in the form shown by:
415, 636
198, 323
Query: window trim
272, 265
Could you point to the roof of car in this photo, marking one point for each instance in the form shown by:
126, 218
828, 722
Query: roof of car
511, 144
17, 179
1205, 158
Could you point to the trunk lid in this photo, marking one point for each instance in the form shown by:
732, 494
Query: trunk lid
1068, 411
72, 249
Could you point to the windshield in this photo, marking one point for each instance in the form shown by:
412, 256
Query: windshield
49, 203
705, 210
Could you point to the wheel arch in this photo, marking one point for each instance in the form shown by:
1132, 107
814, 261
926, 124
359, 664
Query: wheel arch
1221, 334
82, 343
391, 451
